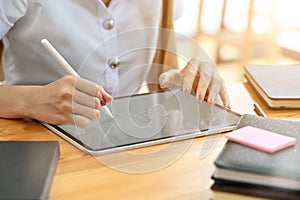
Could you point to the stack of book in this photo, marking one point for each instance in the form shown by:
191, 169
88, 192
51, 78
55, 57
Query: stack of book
243, 172
278, 85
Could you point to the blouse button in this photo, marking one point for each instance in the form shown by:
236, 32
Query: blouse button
114, 63
108, 24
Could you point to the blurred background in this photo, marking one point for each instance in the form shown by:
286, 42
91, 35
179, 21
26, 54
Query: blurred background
238, 32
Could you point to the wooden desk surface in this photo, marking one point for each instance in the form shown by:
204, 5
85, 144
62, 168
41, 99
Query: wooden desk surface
188, 176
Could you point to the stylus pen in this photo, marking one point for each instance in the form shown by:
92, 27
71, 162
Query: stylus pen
56, 55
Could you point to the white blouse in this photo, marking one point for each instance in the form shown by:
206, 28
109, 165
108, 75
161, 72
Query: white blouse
112, 46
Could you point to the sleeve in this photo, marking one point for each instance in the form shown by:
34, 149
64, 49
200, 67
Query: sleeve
178, 9
10, 12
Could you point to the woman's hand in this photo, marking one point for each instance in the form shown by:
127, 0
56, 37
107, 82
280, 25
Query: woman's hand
199, 76
69, 100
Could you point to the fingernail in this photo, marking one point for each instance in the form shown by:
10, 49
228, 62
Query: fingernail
186, 91
97, 114
102, 102
98, 103
163, 84
211, 101
200, 97
228, 106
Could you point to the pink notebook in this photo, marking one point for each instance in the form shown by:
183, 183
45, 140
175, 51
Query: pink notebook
261, 139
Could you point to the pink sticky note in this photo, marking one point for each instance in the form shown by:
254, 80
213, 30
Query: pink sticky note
261, 139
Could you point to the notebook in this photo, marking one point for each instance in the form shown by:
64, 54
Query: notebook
27, 168
278, 85
241, 163
261, 139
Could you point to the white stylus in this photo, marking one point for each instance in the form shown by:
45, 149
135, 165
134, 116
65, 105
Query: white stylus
56, 55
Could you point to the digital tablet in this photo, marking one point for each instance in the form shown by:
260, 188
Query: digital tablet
147, 119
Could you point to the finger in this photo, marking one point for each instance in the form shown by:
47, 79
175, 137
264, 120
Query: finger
205, 71
91, 113
93, 89
104, 97
189, 74
86, 100
81, 121
224, 96
87, 87
214, 89
170, 79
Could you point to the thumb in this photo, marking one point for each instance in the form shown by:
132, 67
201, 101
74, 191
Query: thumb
106, 98
171, 79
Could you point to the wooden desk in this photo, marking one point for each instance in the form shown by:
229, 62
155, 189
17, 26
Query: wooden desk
80, 176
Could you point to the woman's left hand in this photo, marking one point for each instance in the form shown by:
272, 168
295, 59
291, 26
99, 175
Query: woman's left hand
200, 76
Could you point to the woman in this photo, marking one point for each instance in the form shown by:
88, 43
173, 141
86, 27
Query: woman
109, 43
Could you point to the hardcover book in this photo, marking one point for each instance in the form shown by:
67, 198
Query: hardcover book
278, 85
27, 168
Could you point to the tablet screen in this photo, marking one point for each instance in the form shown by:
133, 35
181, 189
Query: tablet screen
152, 118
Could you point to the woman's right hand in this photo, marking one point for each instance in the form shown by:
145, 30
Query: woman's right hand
69, 100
